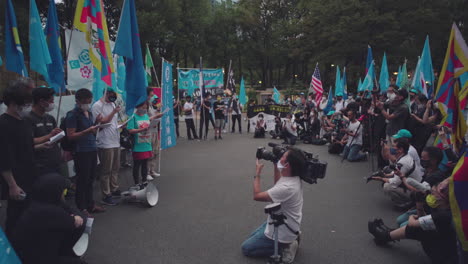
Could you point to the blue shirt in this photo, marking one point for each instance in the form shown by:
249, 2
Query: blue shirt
77, 119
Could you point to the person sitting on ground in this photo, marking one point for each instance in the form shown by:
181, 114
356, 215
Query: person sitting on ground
48, 229
260, 127
394, 187
313, 126
287, 191
434, 230
289, 130
277, 133
351, 151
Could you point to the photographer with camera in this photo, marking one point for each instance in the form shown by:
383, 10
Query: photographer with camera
287, 191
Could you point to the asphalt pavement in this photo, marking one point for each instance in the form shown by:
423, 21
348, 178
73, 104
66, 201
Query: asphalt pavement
206, 211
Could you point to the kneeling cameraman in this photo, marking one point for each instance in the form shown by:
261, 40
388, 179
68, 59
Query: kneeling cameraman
287, 191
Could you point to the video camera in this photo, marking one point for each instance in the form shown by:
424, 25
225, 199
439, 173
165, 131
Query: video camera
385, 171
315, 169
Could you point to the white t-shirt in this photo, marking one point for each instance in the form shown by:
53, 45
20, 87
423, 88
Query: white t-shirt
106, 137
339, 105
288, 192
289, 127
407, 164
415, 156
353, 127
188, 105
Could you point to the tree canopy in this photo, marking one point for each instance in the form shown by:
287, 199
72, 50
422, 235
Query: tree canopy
278, 42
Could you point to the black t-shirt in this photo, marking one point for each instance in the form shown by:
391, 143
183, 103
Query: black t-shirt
42, 126
399, 122
17, 152
219, 114
206, 112
176, 110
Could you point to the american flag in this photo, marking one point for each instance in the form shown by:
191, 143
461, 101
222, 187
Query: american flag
316, 85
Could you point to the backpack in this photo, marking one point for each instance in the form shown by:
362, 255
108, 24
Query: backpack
126, 139
65, 143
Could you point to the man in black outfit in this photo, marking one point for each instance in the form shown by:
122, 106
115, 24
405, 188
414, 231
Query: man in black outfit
205, 115
17, 166
188, 112
236, 113
176, 107
44, 127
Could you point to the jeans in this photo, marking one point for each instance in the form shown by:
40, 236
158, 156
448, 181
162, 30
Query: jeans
176, 122
402, 220
204, 120
352, 153
110, 166
85, 166
190, 128
136, 169
258, 245
289, 138
238, 118
154, 160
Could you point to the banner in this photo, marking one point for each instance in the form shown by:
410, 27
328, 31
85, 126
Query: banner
79, 67
189, 80
269, 121
168, 135
281, 110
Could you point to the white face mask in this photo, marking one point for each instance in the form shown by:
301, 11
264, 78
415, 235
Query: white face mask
260, 118
391, 96
85, 107
50, 107
280, 166
24, 110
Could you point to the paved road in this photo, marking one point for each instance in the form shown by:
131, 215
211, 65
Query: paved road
206, 210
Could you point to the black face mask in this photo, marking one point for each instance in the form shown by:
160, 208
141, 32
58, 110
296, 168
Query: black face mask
425, 163
112, 98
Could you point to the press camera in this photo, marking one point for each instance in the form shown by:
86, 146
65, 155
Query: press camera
315, 169
386, 172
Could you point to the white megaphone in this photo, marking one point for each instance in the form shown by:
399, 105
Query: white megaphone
148, 195
81, 245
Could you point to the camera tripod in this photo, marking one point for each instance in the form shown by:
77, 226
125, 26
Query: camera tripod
276, 220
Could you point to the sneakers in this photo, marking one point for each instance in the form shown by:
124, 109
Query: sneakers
116, 193
380, 232
289, 253
155, 174
108, 200
149, 178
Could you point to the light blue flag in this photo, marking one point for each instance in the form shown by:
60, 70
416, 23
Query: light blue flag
359, 84
344, 84
276, 95
426, 67
384, 78
417, 78
368, 83
329, 106
56, 68
242, 95
7, 253
369, 59
338, 84
1, 62
398, 78
14, 56
168, 134
39, 56
121, 77
128, 45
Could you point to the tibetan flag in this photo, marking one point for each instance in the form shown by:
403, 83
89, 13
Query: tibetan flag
458, 195
338, 83
90, 19
56, 68
148, 64
398, 78
128, 45
404, 77
359, 84
242, 95
384, 78
418, 82
13, 53
39, 57
451, 92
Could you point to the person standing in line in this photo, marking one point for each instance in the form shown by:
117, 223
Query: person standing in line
108, 143
154, 112
188, 112
236, 113
205, 115
176, 106
81, 128
219, 108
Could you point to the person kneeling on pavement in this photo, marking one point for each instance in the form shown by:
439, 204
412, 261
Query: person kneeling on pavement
48, 229
287, 191
351, 151
260, 127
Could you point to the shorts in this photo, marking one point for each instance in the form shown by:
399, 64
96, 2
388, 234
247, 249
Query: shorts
219, 123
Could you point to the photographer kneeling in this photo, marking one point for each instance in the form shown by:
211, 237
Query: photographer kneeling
287, 191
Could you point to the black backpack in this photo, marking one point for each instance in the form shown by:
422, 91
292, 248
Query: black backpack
126, 139
65, 143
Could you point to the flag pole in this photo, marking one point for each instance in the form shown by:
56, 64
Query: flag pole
227, 108
154, 68
158, 134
